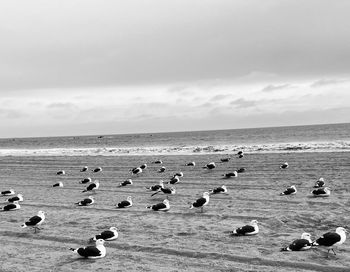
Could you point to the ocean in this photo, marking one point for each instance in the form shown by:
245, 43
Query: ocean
313, 138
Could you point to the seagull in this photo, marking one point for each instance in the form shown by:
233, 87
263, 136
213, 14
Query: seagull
240, 154
218, 190
12, 206
319, 183
18, 198
35, 221
97, 169
8, 192
304, 243
58, 184
175, 179
92, 252
158, 162
85, 180
92, 187
164, 206
292, 190
143, 166
230, 175
86, 202
321, 192
284, 165
179, 174
162, 169
225, 159
191, 164
201, 202
61, 172
167, 191
250, 229
332, 239
210, 165
136, 171
125, 203
84, 169
107, 235
125, 182
241, 170
156, 187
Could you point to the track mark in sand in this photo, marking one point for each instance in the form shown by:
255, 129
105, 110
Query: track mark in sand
191, 254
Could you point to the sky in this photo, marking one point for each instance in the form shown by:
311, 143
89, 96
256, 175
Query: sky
90, 67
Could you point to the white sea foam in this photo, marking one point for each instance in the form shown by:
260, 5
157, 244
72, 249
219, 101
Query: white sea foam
337, 146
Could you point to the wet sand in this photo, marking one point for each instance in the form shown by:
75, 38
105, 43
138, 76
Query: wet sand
180, 239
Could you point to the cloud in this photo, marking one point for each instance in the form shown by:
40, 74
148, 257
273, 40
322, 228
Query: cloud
220, 97
242, 103
11, 114
271, 87
326, 82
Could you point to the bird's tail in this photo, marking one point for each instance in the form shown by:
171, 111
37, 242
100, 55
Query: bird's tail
75, 250
23, 225
148, 207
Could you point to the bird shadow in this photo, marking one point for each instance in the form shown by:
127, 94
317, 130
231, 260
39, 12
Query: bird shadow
72, 260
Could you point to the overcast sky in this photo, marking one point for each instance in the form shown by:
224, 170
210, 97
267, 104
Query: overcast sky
111, 66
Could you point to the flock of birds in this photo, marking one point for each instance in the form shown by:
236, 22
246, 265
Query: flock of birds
330, 240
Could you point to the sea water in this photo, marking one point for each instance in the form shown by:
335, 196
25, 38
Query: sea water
313, 138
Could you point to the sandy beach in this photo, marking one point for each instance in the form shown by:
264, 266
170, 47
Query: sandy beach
180, 239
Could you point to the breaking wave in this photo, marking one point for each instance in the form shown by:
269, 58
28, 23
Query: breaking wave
338, 146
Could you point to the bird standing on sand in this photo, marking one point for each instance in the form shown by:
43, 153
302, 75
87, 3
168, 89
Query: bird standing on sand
136, 171
143, 166
107, 235
97, 169
241, 170
125, 182
162, 169
230, 175
92, 252
321, 192
210, 165
191, 164
304, 243
225, 159
125, 203
35, 221
218, 190
92, 187
332, 239
18, 198
250, 229
58, 184
167, 191
85, 180
8, 192
86, 202
84, 169
11, 207
201, 202
292, 190
61, 173
164, 206
284, 165
158, 162
175, 179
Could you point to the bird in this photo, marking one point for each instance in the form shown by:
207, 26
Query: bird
8, 192
97, 169
86, 201
162, 169
35, 221
321, 192
125, 182
158, 162
92, 187
230, 175
156, 187
58, 184
61, 172
143, 166
107, 235
178, 174
125, 203
84, 169
225, 159
304, 243
292, 190
167, 191
85, 180
201, 202
284, 165
241, 170
240, 154
320, 183
11, 206
249, 229
191, 164
136, 171
175, 179
332, 239
218, 190
92, 252
164, 206
18, 198
210, 165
